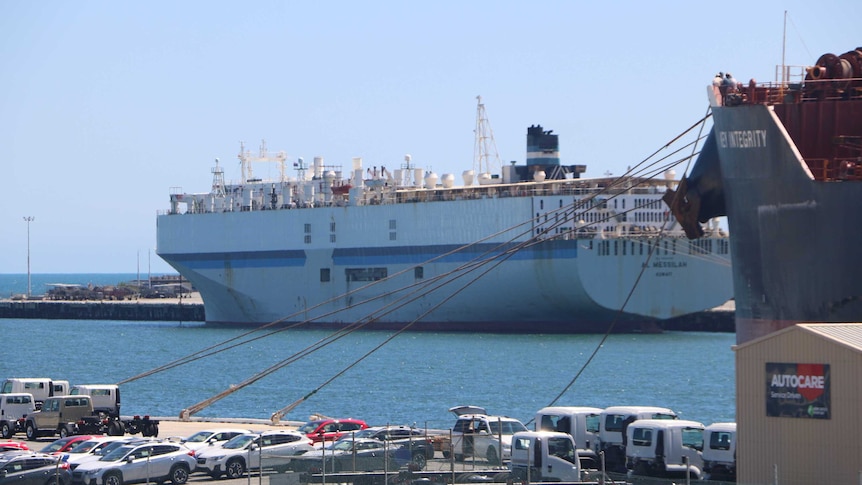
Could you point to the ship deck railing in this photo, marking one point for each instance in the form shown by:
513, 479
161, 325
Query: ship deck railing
809, 90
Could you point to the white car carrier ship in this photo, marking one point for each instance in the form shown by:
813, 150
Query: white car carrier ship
532, 249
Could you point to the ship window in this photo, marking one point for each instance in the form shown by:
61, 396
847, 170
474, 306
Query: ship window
332, 238
561, 203
307, 239
541, 205
392, 223
624, 203
331, 227
365, 274
624, 248
308, 228
324, 275
392, 236
419, 272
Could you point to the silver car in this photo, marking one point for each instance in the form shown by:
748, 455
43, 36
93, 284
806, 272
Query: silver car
140, 462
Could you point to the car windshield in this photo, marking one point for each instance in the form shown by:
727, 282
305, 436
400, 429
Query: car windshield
108, 447
55, 446
117, 454
342, 445
198, 437
84, 446
309, 427
508, 427
239, 442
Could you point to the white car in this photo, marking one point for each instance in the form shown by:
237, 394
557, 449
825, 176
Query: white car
211, 437
88, 450
139, 462
275, 448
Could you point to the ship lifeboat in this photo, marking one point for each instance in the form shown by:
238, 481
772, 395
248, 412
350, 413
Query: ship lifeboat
341, 189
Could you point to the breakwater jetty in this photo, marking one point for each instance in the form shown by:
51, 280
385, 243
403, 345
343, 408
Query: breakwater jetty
169, 309
191, 309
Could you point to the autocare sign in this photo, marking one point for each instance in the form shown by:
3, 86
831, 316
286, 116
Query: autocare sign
797, 390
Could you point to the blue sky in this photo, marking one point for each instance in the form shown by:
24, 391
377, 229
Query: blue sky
104, 106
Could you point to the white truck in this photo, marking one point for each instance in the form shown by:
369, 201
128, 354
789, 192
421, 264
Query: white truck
665, 448
544, 456
105, 397
581, 422
719, 452
40, 387
14, 409
479, 435
613, 422
106, 405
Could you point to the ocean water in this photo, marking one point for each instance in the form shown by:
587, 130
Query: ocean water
414, 378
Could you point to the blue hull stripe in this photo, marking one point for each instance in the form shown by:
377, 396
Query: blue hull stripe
549, 250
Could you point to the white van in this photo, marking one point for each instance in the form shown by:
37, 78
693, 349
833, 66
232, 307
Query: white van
719, 452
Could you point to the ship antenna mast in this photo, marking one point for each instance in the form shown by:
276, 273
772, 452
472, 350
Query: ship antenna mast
484, 143
246, 160
218, 180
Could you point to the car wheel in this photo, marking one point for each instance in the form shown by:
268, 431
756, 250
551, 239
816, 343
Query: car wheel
63, 431
113, 479
31, 432
419, 459
179, 475
234, 468
6, 431
491, 456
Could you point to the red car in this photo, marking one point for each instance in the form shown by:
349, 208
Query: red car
330, 429
64, 444
13, 446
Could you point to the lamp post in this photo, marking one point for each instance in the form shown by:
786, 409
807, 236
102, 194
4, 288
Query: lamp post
28, 220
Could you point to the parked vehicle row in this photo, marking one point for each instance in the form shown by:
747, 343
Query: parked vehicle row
45, 407
648, 441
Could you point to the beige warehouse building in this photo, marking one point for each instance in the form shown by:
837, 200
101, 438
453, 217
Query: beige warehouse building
799, 397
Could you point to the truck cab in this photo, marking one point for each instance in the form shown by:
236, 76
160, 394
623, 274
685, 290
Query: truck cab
579, 421
105, 397
544, 456
665, 448
14, 409
483, 436
59, 415
613, 422
719, 452
40, 387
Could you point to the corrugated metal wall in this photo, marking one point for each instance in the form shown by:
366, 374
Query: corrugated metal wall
798, 450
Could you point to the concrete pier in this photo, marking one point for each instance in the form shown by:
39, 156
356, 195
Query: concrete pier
165, 309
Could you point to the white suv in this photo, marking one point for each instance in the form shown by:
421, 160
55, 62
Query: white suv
480, 435
275, 448
139, 462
